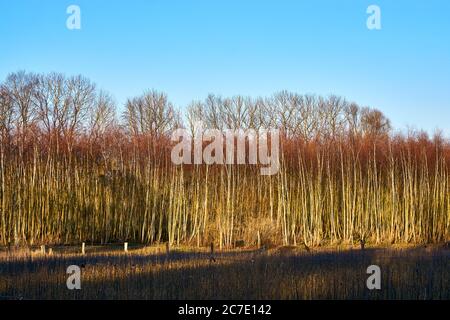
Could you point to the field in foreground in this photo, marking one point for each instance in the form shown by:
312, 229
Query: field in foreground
283, 273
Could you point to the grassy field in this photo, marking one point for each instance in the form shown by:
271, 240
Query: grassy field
279, 273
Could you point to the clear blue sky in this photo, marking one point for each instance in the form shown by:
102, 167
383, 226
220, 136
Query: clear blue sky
251, 47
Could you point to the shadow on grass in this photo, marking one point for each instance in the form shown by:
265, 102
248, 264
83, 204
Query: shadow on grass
406, 274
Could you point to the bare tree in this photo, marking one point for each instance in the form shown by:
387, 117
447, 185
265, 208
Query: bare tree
6, 115
52, 103
352, 115
21, 88
331, 115
374, 123
150, 113
257, 114
195, 113
308, 117
284, 106
80, 99
236, 112
213, 112
63, 105
102, 116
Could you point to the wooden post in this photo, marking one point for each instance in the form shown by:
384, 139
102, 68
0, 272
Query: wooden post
259, 240
83, 248
211, 258
167, 248
43, 249
167, 251
125, 246
362, 242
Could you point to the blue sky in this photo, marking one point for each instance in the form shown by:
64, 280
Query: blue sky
251, 47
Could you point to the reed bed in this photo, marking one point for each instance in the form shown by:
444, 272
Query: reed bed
279, 274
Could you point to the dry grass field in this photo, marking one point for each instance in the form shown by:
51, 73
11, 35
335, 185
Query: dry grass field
279, 273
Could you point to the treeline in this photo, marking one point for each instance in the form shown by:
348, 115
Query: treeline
72, 169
